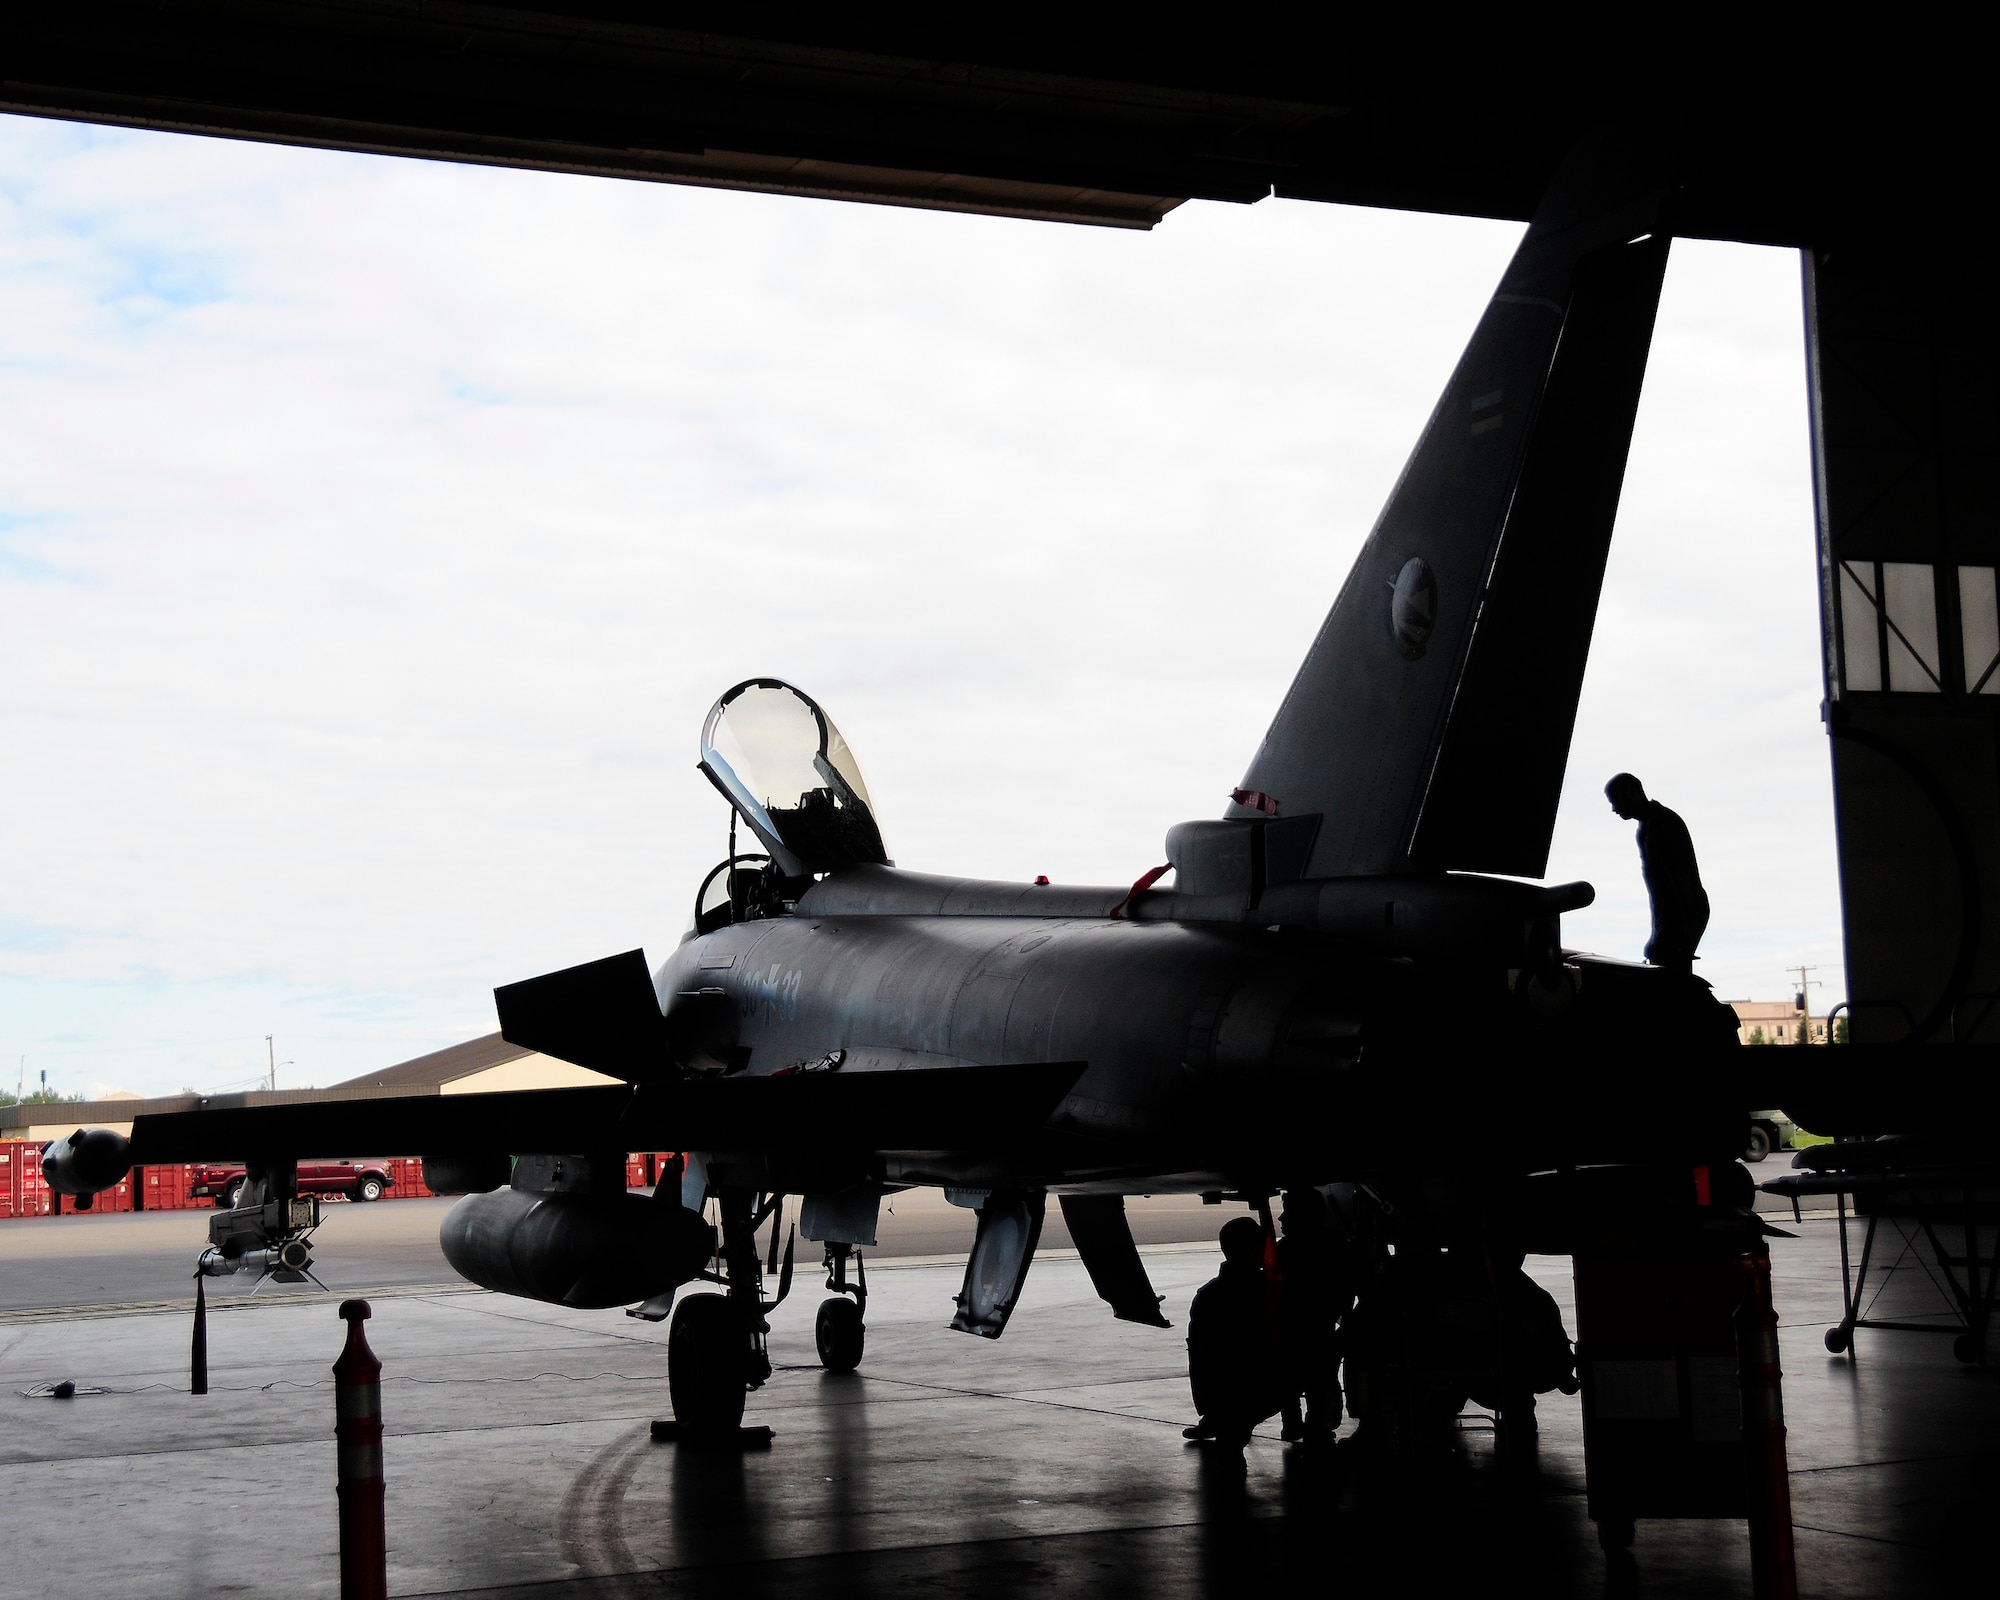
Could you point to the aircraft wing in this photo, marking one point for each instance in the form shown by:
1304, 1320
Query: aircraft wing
429, 1124
931, 1108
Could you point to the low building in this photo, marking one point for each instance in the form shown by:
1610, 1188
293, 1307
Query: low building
1775, 1022
485, 1065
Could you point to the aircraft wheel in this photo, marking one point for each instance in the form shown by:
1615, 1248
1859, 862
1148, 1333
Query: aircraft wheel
1760, 1143
1838, 1339
705, 1361
840, 1334
1616, 1532
1967, 1347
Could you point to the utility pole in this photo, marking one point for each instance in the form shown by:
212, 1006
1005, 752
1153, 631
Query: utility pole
1801, 1004
271, 1051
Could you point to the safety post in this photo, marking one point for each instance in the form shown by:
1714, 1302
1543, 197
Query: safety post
357, 1409
1774, 1573
198, 1348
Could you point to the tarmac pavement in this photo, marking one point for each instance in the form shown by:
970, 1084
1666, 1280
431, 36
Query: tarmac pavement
520, 1463
99, 1259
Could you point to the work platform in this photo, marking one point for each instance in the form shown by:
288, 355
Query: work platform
520, 1463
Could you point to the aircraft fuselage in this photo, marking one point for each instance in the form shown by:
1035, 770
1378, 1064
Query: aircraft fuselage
1218, 1054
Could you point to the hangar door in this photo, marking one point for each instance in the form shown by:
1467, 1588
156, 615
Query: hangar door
1900, 349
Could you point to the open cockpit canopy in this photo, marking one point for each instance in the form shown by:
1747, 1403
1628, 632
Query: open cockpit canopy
780, 761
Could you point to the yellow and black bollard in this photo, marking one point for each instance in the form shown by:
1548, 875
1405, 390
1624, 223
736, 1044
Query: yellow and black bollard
357, 1406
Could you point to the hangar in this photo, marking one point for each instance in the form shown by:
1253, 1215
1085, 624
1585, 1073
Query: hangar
1115, 120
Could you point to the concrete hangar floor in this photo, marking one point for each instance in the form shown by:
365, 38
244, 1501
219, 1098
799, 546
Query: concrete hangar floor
520, 1461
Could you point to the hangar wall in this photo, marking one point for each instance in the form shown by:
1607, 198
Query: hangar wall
1905, 418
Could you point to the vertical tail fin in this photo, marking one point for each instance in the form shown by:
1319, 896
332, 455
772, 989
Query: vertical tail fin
1430, 722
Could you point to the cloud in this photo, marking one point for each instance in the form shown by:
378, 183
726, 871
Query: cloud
377, 533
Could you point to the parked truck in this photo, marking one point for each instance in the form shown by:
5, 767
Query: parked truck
356, 1180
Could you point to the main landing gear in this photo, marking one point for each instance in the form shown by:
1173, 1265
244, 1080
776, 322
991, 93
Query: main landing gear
706, 1366
715, 1347
839, 1330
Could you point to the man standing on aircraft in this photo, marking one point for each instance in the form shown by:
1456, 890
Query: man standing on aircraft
1666, 859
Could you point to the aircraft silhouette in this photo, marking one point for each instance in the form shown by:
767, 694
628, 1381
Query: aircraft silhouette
1344, 959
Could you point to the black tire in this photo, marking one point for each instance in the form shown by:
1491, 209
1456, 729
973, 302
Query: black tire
1759, 1145
1968, 1347
1838, 1339
840, 1334
1616, 1533
706, 1350
232, 1197
369, 1188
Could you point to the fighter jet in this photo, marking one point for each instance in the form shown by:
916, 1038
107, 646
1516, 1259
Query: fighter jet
1354, 952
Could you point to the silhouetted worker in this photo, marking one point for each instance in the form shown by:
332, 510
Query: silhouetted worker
1318, 1282
1536, 1354
1666, 858
1229, 1342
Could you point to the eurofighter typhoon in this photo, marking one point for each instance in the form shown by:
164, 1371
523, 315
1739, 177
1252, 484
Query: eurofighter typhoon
1352, 944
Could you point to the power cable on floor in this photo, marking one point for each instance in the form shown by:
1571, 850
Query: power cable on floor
70, 1389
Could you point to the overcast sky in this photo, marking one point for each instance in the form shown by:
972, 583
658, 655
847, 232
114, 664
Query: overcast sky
375, 534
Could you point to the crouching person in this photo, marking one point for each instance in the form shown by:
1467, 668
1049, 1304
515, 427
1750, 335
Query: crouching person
1231, 1365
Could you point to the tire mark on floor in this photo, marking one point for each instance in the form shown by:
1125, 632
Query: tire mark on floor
590, 1525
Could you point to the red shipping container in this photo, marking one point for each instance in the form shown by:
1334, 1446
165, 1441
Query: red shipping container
24, 1194
406, 1178
117, 1198
28, 1196
167, 1189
